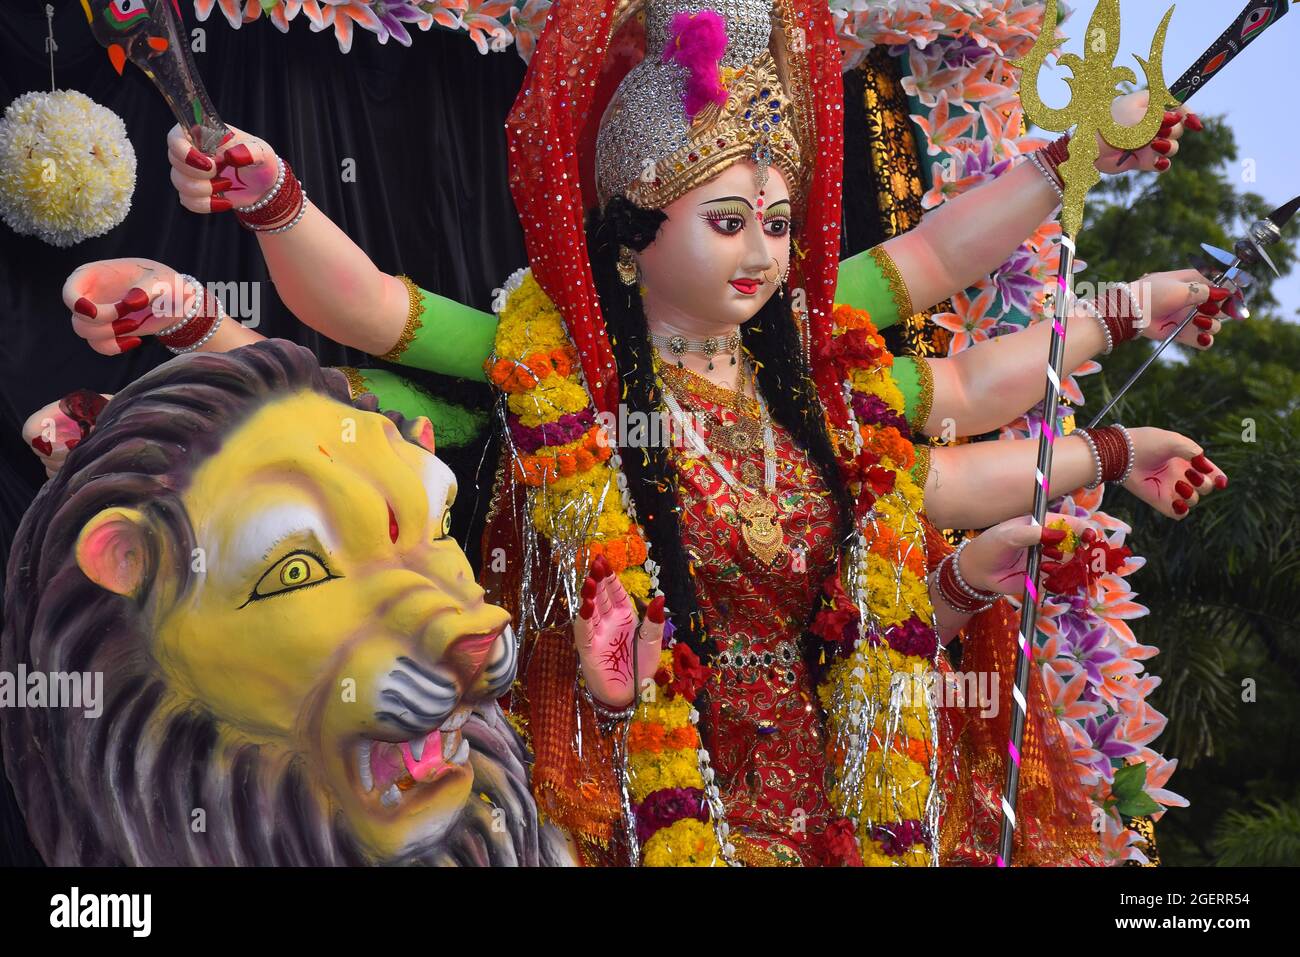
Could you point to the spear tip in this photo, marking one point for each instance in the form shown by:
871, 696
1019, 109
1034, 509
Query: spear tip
1283, 215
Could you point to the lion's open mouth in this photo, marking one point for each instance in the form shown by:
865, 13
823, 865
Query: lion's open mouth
389, 769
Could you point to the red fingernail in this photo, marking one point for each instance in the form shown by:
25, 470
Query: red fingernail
221, 184
1163, 163
1203, 322
135, 299
1053, 535
1202, 464
1204, 339
42, 445
1209, 308
1218, 293
1172, 118
1180, 507
1220, 481
220, 204
589, 588
1183, 489
86, 308
600, 567
128, 343
239, 155
1193, 123
198, 160
1053, 552
122, 326
1195, 477
656, 610
1162, 146
1089, 535
585, 612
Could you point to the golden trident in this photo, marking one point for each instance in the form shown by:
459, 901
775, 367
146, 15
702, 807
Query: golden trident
1093, 88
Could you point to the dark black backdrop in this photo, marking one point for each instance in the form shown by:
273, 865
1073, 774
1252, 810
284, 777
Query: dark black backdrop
425, 127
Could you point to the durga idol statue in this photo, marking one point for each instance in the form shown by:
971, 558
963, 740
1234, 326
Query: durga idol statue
719, 630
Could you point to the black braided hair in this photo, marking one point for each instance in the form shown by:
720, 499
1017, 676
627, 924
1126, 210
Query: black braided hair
771, 338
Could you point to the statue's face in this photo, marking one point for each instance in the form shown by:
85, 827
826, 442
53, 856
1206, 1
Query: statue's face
333, 621
716, 235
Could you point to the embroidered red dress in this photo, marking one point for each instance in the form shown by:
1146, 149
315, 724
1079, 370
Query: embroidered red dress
762, 724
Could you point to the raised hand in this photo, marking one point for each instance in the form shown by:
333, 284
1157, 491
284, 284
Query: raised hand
606, 632
1158, 156
1165, 299
1171, 472
113, 302
241, 173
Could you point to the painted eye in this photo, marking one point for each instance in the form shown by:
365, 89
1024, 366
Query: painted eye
126, 8
446, 522
290, 573
1256, 20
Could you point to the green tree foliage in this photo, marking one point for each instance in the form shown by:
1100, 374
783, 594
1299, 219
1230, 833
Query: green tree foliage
1223, 586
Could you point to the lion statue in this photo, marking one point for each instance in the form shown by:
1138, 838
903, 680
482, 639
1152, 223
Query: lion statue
298, 666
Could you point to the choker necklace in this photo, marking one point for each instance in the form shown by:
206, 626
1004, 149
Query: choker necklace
678, 346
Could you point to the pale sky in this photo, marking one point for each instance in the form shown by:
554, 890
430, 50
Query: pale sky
1256, 92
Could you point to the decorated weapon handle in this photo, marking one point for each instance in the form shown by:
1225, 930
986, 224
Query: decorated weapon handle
1250, 24
151, 34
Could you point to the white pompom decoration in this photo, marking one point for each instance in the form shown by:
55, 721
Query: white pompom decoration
67, 169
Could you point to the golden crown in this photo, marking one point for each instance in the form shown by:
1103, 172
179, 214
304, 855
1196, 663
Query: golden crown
648, 151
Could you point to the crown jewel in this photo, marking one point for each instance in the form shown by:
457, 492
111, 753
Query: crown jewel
650, 152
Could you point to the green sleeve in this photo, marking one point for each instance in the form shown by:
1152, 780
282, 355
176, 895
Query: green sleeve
453, 425
870, 280
445, 336
916, 382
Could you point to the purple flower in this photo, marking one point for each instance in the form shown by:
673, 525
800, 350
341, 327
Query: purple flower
897, 839
872, 410
960, 51
661, 808
1104, 740
392, 14
567, 428
912, 637
1015, 280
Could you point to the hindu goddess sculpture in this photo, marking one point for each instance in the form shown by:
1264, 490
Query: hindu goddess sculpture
716, 517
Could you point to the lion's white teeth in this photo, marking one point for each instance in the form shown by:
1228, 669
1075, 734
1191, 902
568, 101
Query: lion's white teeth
363, 766
462, 753
417, 748
451, 742
456, 720
391, 796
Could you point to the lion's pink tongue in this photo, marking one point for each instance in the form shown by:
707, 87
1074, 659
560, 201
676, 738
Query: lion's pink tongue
431, 761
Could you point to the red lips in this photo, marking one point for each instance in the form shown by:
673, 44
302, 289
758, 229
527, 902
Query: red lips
747, 286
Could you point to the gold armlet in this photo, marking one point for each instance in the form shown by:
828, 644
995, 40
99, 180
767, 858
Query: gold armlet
414, 309
897, 288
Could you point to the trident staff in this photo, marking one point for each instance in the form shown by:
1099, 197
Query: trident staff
1094, 87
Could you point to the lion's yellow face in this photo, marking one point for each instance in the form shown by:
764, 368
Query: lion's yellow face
334, 619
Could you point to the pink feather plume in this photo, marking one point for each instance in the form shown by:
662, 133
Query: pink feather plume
697, 41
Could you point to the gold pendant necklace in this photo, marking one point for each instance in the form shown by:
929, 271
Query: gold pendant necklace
761, 528
760, 519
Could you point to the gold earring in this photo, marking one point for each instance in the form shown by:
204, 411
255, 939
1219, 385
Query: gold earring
627, 268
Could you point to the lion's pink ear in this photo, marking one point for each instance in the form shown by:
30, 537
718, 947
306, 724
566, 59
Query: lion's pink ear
113, 550
420, 431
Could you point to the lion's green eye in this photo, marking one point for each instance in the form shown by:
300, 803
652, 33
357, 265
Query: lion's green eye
446, 522
293, 571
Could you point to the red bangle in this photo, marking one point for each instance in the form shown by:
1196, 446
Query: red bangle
196, 328
953, 594
1054, 154
284, 205
1112, 451
1117, 312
